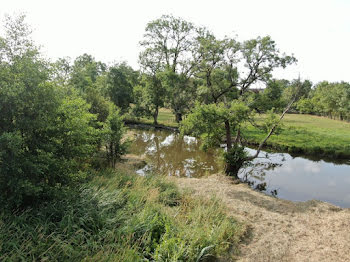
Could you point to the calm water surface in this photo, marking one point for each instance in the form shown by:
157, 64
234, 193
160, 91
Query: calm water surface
278, 174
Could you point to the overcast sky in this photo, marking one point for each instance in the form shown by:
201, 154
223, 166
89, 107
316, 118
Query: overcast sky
316, 32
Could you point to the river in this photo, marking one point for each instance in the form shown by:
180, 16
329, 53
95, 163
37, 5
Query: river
278, 174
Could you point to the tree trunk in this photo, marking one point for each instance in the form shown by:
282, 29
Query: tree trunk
112, 155
238, 136
231, 168
228, 135
107, 154
178, 117
155, 116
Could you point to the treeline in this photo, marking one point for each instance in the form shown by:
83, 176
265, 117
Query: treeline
323, 99
327, 99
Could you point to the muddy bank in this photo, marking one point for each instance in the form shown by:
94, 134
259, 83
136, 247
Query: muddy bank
280, 230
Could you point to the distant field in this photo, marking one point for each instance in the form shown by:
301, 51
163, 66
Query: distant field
301, 134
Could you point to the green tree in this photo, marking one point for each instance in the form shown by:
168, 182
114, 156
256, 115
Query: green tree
272, 95
305, 106
331, 99
89, 77
149, 96
180, 92
229, 73
113, 133
216, 68
46, 135
169, 45
60, 71
343, 103
99, 105
85, 72
298, 88
121, 79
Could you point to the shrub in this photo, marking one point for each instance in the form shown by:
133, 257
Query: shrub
46, 132
40, 156
113, 133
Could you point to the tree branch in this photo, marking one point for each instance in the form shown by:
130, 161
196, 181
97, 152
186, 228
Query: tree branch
272, 130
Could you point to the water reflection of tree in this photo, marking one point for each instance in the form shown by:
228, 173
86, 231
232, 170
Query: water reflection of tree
255, 175
171, 154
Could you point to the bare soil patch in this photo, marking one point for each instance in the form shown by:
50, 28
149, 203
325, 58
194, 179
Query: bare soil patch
279, 230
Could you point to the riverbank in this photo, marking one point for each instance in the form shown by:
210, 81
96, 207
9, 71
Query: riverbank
317, 137
279, 230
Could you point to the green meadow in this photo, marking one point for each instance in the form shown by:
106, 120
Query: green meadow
308, 134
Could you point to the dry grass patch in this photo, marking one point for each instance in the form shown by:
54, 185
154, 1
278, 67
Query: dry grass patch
280, 230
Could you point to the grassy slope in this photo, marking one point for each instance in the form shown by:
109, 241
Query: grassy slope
119, 216
301, 134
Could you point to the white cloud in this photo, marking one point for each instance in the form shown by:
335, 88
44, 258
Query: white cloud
312, 167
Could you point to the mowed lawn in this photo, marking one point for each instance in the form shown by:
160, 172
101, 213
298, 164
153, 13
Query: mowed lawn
307, 134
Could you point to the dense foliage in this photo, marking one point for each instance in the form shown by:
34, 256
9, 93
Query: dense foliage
327, 99
50, 125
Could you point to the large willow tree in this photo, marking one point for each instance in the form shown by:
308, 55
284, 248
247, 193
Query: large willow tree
228, 70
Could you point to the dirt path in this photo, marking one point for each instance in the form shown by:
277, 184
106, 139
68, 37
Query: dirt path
280, 230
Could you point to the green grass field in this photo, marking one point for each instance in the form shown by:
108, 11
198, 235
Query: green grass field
305, 134
318, 136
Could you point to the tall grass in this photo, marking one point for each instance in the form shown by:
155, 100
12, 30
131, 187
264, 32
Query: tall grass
121, 217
